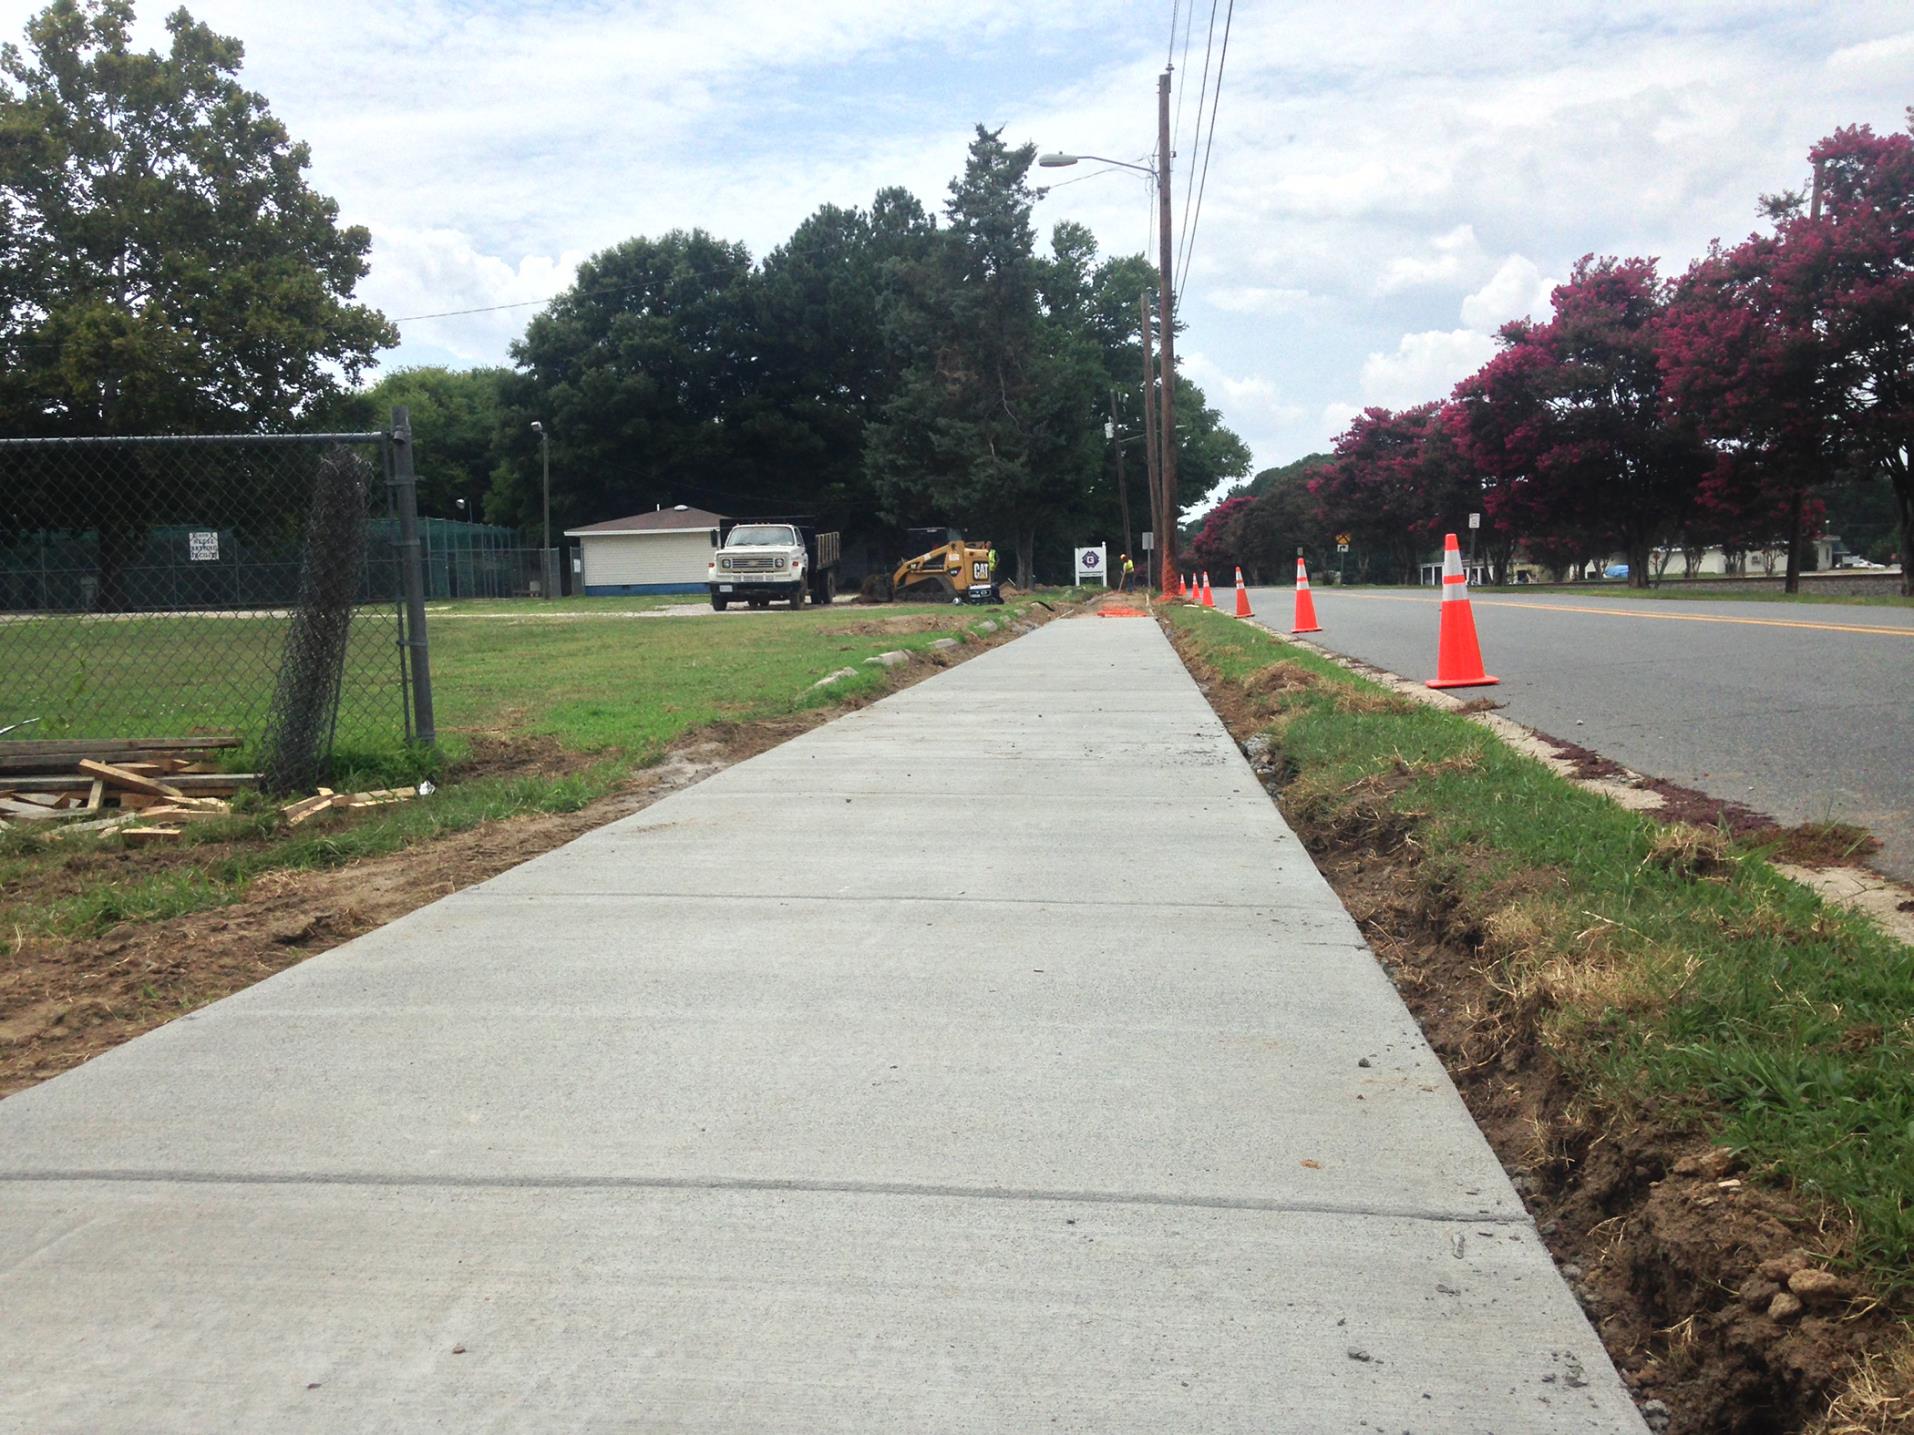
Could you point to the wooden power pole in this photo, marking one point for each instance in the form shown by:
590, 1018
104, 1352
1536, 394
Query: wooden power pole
1166, 313
1151, 455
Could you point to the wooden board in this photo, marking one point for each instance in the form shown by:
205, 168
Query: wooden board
126, 781
87, 746
198, 784
29, 756
307, 807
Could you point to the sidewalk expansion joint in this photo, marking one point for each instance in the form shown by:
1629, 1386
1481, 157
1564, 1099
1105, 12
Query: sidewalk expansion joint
767, 1184
543, 894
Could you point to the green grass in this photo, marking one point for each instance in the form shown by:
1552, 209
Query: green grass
610, 697
634, 687
1777, 1025
589, 674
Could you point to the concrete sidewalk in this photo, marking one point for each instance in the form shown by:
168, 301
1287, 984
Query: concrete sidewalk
870, 1085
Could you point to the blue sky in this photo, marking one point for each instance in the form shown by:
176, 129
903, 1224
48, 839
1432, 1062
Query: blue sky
1389, 181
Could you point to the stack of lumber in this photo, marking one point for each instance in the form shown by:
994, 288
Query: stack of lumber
139, 784
142, 788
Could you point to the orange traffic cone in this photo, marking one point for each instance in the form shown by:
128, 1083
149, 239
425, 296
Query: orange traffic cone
1209, 598
1194, 595
1182, 587
1305, 605
1459, 655
1242, 597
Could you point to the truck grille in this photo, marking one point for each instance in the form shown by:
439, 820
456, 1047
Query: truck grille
759, 563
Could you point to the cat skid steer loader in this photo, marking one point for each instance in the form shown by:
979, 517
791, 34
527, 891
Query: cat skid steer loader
958, 570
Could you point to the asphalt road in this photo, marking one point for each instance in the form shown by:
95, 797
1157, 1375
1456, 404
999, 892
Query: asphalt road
1803, 711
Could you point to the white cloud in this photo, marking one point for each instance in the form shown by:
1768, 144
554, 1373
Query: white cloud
430, 271
1891, 54
1258, 299
1424, 366
1517, 290
1452, 256
1375, 165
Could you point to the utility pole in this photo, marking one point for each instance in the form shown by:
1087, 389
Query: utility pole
1123, 489
1166, 312
1152, 459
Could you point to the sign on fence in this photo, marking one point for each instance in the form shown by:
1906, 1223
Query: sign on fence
202, 547
1091, 565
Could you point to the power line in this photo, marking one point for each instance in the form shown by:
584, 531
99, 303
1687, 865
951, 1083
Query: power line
1215, 99
699, 271
1209, 41
1176, 131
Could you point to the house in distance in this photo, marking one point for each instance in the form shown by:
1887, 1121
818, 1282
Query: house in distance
665, 551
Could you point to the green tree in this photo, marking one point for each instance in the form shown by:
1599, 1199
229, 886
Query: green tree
458, 417
996, 416
165, 265
636, 372
820, 366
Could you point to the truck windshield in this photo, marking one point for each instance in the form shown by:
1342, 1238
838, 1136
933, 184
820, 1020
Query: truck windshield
760, 534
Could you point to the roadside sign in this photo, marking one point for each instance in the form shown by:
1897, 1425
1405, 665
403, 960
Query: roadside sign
1342, 541
1149, 542
1342, 547
1475, 520
202, 547
1091, 565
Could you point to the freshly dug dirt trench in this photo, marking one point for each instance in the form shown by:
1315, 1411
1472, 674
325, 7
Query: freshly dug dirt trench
1677, 1255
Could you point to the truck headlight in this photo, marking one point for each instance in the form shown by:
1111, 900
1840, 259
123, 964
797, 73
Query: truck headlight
780, 562
724, 562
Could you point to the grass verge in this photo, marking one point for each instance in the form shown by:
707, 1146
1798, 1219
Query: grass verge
1620, 991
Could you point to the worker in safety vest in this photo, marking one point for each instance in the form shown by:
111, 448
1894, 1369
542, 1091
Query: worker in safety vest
1129, 573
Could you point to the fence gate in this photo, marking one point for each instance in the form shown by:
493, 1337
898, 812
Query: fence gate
264, 586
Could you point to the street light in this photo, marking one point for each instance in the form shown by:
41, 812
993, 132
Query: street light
1058, 160
545, 464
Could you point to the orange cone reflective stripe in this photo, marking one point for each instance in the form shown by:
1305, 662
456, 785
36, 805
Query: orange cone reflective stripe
1242, 597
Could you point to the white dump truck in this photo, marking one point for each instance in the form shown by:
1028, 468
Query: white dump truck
762, 560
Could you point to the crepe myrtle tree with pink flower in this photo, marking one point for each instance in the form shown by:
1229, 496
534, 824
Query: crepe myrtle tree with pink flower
1793, 351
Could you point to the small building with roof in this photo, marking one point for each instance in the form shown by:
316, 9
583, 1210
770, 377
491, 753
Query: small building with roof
665, 551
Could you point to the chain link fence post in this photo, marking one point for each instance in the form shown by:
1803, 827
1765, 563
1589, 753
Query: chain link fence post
405, 485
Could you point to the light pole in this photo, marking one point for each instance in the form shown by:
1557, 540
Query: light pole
545, 465
1166, 316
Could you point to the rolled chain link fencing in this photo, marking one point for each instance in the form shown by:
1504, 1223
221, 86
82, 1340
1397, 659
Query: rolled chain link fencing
263, 587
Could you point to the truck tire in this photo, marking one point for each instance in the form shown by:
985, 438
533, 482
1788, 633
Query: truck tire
797, 598
718, 604
827, 588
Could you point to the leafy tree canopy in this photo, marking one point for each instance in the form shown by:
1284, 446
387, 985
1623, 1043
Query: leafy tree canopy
164, 266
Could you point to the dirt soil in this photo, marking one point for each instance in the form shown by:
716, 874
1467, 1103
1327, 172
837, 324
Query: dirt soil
63, 1002
1678, 1260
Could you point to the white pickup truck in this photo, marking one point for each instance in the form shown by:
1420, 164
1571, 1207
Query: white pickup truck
764, 560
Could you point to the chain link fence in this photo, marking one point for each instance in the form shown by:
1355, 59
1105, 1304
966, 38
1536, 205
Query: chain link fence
264, 587
482, 560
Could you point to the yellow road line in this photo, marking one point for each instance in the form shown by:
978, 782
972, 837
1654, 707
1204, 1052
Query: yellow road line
1635, 613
